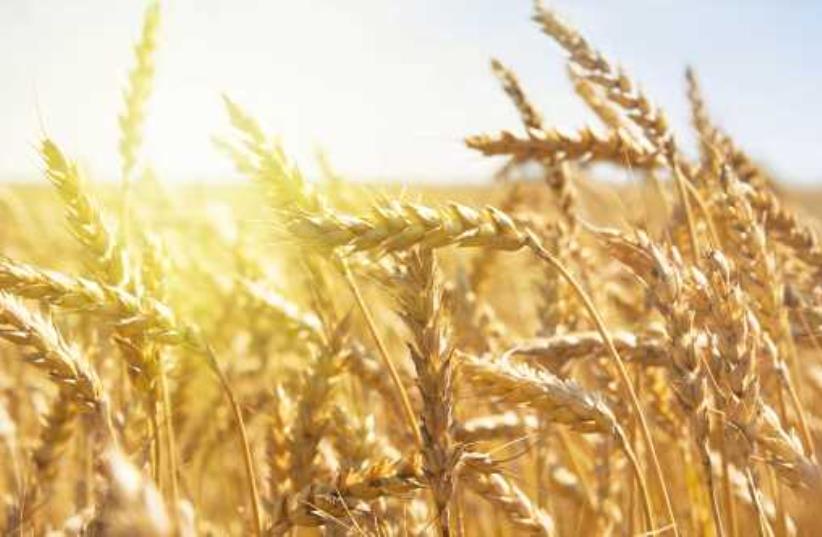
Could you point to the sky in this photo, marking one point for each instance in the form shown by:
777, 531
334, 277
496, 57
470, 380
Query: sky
390, 88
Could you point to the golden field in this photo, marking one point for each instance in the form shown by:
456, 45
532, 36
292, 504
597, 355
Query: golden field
551, 354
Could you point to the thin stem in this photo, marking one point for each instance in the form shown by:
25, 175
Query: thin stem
539, 462
709, 476
577, 468
459, 514
730, 508
689, 216
171, 444
794, 379
806, 325
156, 451
248, 461
534, 244
640, 478
125, 209
703, 208
392, 370
753, 489
804, 428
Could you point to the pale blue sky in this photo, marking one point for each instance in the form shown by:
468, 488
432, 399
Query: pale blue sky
389, 88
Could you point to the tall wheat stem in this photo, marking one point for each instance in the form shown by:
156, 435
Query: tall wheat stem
686, 204
171, 444
392, 370
248, 460
535, 246
730, 508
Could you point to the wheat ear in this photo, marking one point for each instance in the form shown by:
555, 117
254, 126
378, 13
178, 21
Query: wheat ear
557, 400
419, 297
138, 91
106, 257
481, 475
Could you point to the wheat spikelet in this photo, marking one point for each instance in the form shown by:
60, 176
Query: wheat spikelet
402, 226
558, 309
746, 240
357, 441
495, 427
787, 228
593, 67
50, 286
531, 118
106, 256
481, 476
57, 431
709, 136
554, 146
319, 504
49, 352
419, 297
79, 391
267, 164
607, 113
132, 315
784, 451
649, 349
138, 91
313, 409
743, 494
715, 143
154, 266
368, 370
560, 401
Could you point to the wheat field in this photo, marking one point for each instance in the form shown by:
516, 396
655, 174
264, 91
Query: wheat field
553, 356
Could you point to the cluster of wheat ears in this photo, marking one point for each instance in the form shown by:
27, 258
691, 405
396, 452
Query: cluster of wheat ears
586, 359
